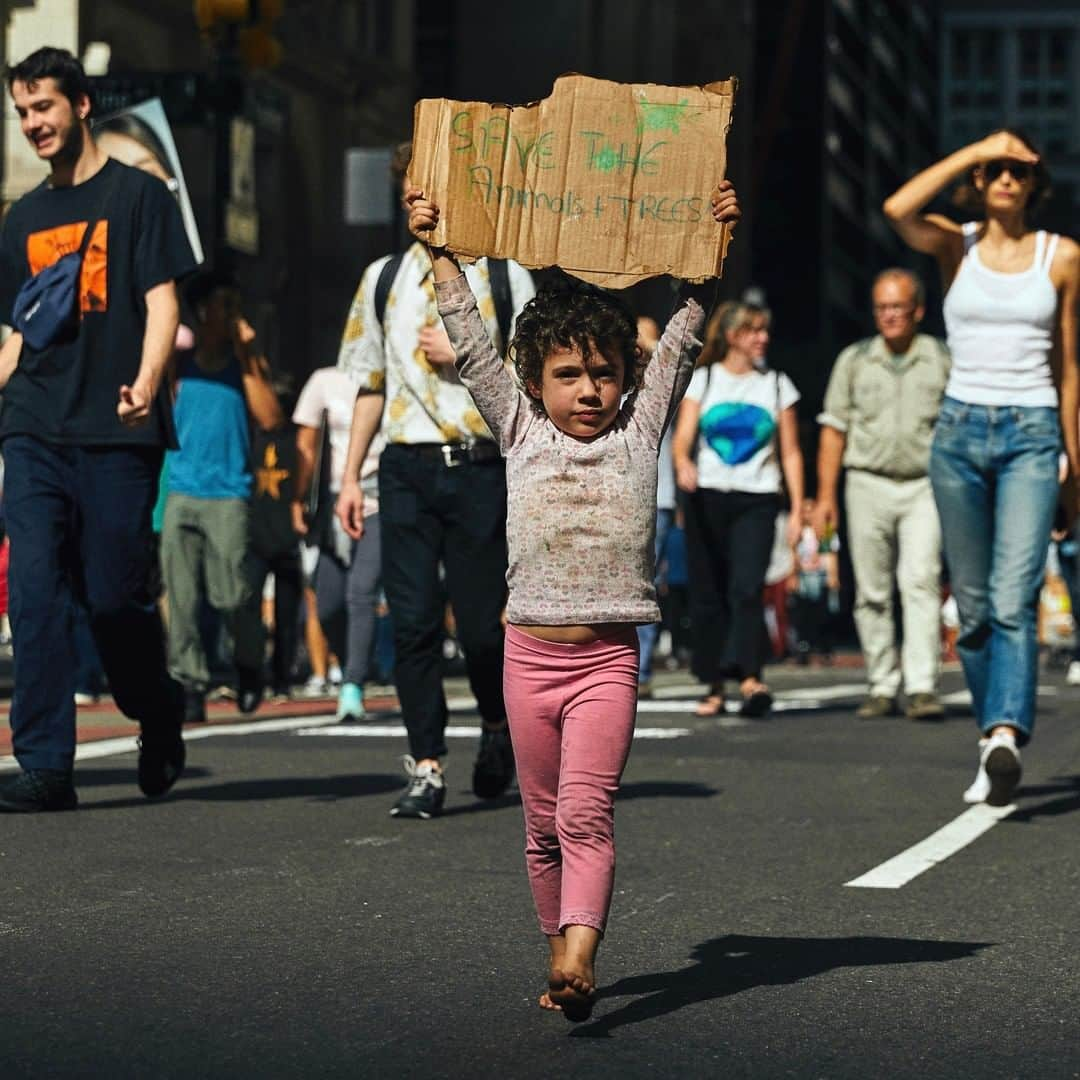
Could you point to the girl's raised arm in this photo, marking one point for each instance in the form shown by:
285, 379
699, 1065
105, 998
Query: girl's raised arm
668, 373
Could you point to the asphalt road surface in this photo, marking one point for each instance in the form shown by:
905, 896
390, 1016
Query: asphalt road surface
271, 920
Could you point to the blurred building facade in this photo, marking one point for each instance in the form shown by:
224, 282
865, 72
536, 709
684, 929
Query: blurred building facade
847, 110
348, 75
1017, 65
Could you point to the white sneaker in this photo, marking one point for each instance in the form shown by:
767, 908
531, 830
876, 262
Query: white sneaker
334, 675
980, 786
1001, 760
315, 687
999, 772
1072, 676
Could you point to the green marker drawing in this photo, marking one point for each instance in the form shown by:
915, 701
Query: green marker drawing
654, 116
606, 159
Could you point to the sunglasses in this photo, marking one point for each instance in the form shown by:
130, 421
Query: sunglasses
1018, 170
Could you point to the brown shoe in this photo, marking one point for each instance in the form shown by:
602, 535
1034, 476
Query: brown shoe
925, 707
875, 707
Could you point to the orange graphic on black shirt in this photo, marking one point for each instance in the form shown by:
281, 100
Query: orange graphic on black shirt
49, 246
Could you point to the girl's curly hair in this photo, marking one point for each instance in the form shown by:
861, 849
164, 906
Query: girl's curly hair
567, 313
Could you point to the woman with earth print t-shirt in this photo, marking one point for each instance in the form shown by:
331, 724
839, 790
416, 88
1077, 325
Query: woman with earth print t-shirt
737, 429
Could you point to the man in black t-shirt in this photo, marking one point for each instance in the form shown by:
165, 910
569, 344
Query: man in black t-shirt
83, 427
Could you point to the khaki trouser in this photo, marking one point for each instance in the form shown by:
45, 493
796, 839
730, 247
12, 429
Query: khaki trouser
204, 551
894, 536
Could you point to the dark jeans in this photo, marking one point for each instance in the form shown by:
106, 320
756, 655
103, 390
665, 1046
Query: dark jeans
79, 521
729, 538
288, 592
456, 516
89, 678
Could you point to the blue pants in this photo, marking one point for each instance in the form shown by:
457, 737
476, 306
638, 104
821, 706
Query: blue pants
79, 522
994, 474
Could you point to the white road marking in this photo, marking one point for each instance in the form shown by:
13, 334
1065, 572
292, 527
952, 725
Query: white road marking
963, 697
459, 731
127, 744
936, 848
687, 694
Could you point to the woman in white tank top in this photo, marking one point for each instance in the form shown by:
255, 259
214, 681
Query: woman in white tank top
1012, 399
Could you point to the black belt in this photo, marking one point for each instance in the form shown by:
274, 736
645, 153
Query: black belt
453, 454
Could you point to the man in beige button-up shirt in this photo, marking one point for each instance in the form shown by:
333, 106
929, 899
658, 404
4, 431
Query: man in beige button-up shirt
878, 421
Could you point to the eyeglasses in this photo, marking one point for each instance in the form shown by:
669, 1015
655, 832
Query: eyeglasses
1018, 170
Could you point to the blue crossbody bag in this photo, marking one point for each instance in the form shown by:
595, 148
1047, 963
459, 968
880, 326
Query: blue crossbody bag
46, 308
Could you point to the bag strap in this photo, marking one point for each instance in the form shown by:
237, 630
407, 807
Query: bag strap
499, 278
91, 226
385, 283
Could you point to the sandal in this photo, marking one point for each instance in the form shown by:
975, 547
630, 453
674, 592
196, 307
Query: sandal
711, 705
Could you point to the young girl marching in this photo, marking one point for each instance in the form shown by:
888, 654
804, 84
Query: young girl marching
581, 509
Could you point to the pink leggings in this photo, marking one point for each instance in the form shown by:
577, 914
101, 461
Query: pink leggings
571, 710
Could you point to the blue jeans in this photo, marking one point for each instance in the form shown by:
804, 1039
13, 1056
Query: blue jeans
648, 632
994, 474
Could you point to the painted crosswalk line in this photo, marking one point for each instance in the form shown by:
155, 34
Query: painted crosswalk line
935, 849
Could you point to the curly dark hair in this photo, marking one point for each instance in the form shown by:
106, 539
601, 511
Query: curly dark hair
566, 314
970, 199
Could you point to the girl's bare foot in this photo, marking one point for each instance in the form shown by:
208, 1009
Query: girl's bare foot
572, 991
572, 980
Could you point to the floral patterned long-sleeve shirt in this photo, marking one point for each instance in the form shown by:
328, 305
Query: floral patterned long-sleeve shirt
581, 516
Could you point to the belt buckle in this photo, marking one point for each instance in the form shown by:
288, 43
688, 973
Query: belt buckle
448, 455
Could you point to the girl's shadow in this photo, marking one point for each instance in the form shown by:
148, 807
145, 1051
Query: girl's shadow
729, 965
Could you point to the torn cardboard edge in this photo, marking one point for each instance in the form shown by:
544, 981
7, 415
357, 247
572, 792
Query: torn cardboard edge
608, 181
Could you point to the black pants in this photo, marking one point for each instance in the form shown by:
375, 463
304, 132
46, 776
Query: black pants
812, 620
729, 538
79, 522
288, 592
430, 514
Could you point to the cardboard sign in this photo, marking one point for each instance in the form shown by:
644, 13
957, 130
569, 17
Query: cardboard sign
609, 181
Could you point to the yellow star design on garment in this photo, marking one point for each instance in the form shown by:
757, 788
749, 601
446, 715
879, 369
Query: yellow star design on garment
268, 478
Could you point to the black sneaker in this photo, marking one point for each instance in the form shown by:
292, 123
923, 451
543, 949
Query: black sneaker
494, 768
194, 706
36, 790
161, 756
424, 796
249, 690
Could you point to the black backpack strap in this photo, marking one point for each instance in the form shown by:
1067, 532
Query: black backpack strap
385, 283
499, 277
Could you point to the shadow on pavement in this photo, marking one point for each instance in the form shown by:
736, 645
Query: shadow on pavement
479, 806
85, 778
1067, 790
665, 789
313, 788
732, 964
643, 789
